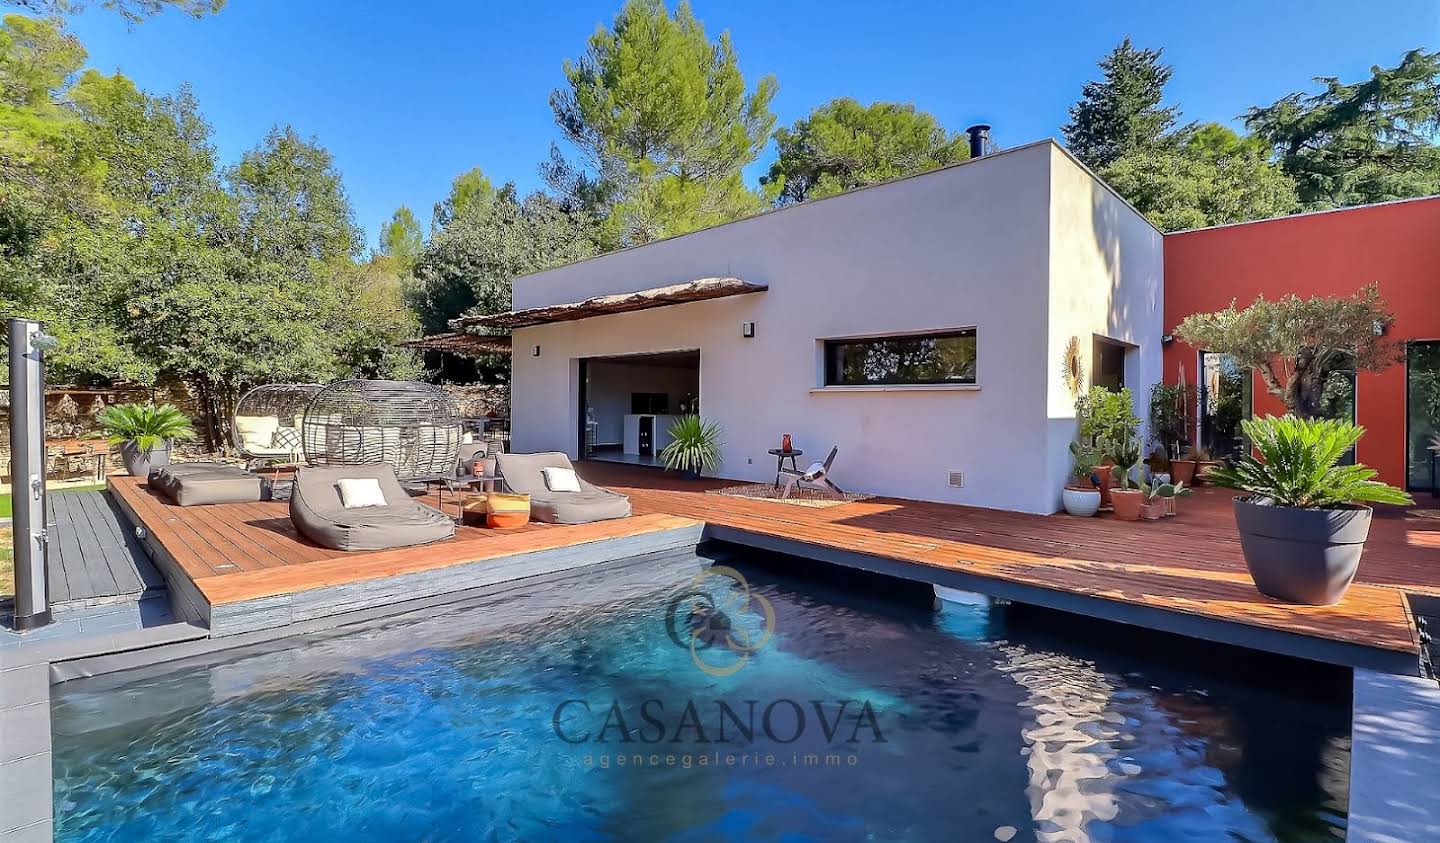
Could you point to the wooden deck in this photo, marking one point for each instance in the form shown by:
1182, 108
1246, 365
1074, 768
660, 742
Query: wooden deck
238, 567
1183, 574
1188, 565
94, 558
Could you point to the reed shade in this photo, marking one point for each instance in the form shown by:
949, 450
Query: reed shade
460, 344
413, 426
701, 289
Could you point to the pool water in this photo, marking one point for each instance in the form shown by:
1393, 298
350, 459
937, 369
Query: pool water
660, 700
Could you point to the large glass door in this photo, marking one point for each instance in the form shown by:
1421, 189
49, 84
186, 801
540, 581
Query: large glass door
1225, 399
1422, 414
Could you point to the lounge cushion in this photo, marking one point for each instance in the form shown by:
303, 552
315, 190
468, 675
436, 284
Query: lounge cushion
319, 515
522, 473
199, 483
256, 431
355, 493
561, 479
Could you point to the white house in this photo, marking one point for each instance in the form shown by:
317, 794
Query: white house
921, 325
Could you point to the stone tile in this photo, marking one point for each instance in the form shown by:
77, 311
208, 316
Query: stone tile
25, 792
1395, 759
41, 832
112, 622
24, 731
24, 686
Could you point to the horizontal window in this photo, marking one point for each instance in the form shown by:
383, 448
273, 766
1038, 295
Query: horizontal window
947, 358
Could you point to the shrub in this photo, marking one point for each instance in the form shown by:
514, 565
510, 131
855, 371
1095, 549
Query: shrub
147, 425
1299, 465
696, 445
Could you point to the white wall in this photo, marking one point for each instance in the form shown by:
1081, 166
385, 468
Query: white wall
967, 246
1106, 279
612, 383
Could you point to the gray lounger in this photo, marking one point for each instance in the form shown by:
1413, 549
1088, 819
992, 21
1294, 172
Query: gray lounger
318, 514
520, 473
198, 483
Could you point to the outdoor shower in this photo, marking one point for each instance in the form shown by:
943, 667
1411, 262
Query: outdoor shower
28, 344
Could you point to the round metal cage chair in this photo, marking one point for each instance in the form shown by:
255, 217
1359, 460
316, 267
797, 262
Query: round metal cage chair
413, 426
267, 421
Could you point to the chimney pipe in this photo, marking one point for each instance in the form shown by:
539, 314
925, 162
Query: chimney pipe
979, 139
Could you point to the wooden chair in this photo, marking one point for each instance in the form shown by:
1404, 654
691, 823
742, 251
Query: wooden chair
817, 475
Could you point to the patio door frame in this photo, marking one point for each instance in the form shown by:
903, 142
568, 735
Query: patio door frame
1434, 488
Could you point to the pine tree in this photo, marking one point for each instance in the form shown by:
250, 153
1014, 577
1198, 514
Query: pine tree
1121, 114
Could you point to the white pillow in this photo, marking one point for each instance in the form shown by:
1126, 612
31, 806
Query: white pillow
815, 468
561, 479
360, 492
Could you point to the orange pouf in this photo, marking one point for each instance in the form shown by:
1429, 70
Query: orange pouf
504, 511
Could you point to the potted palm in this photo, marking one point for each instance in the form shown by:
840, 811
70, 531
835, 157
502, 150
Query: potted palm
1080, 496
145, 433
694, 447
1303, 520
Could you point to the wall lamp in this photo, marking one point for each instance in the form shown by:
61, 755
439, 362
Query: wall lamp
747, 330
535, 351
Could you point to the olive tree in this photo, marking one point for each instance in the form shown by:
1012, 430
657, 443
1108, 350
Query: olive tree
1295, 343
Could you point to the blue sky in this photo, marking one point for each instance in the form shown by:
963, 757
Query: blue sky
406, 96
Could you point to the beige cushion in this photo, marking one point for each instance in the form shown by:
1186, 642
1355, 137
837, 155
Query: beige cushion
256, 431
561, 479
358, 492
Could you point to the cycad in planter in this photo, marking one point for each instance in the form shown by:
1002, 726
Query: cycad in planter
144, 433
694, 447
1303, 524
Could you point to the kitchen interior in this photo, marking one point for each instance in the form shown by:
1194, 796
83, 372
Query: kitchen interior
629, 403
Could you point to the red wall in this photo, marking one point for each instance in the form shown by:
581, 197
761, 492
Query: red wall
1395, 245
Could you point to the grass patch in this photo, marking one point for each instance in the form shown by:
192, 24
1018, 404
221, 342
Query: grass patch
4, 506
7, 564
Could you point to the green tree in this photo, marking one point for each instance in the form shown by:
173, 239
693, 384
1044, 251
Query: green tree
133, 11
402, 240
1212, 177
664, 120
467, 267
842, 145
471, 190
291, 201
1121, 114
1369, 141
1296, 344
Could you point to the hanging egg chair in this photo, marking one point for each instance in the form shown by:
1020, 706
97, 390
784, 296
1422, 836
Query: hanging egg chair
413, 426
267, 422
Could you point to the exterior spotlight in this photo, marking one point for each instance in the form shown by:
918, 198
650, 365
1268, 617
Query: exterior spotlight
535, 351
747, 330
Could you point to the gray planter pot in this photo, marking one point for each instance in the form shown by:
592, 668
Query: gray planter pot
140, 463
1302, 555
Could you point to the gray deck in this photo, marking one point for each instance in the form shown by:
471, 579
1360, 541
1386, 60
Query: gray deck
94, 557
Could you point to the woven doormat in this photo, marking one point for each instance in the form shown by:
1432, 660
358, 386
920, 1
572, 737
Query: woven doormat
799, 497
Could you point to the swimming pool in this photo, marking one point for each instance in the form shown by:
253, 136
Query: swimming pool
666, 700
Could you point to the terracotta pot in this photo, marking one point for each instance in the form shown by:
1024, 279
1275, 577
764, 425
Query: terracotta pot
1152, 510
1202, 469
1107, 480
1183, 471
1127, 503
